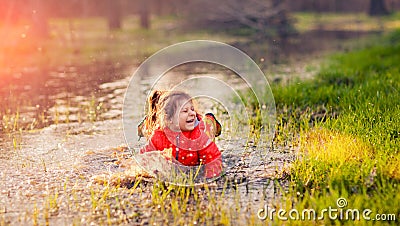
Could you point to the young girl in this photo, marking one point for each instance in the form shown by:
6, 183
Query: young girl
173, 127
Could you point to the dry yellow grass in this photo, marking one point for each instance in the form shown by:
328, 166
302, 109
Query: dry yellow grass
392, 168
334, 147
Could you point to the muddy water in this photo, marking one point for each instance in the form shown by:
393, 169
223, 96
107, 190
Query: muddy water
42, 97
48, 176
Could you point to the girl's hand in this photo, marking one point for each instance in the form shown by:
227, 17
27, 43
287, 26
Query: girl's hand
167, 153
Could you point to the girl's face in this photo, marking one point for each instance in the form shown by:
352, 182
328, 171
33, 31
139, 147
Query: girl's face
185, 117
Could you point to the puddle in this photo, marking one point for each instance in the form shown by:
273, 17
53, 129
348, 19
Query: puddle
36, 98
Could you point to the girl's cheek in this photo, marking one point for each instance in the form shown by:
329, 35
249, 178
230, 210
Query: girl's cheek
183, 115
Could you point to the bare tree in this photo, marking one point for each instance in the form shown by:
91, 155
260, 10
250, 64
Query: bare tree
377, 8
267, 17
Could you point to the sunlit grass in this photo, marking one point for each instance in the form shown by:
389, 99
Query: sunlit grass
158, 202
345, 21
333, 147
330, 156
351, 148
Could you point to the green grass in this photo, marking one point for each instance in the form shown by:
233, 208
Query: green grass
157, 203
306, 21
348, 123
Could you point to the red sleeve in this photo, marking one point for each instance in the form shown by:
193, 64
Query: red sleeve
154, 143
211, 158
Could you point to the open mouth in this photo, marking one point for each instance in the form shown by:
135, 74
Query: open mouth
190, 121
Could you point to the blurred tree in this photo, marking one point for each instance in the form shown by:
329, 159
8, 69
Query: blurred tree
144, 14
267, 17
158, 7
113, 14
377, 8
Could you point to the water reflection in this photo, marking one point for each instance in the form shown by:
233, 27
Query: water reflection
43, 97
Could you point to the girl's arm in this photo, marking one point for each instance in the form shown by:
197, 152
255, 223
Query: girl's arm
149, 147
154, 143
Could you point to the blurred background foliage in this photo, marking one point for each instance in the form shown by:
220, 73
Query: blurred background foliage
265, 17
27, 24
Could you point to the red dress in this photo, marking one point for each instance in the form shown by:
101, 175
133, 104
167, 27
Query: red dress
190, 148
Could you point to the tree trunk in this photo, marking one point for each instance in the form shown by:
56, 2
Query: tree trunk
144, 14
377, 8
158, 7
114, 15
